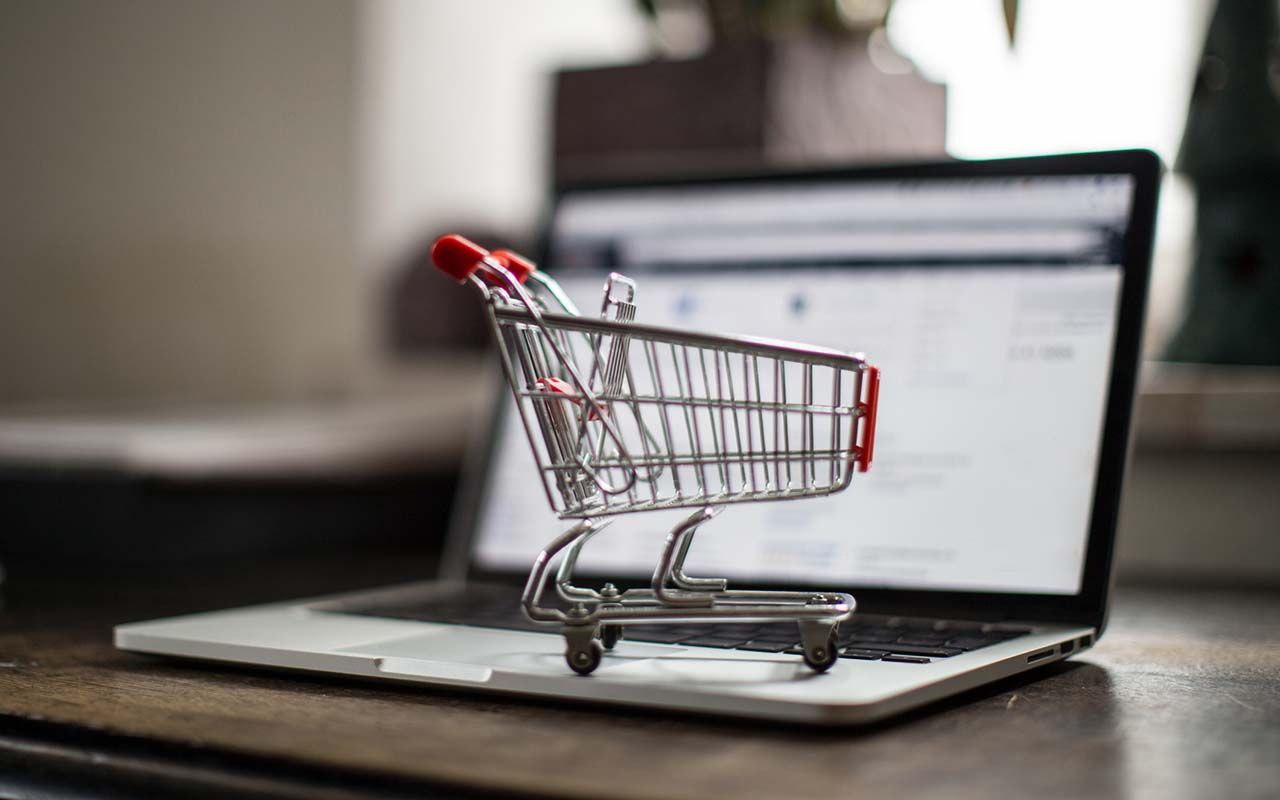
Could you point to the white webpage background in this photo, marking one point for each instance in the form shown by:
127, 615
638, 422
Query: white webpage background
991, 406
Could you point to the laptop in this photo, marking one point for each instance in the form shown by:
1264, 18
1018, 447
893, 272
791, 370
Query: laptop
1003, 302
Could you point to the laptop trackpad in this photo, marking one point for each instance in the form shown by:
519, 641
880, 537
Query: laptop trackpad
433, 654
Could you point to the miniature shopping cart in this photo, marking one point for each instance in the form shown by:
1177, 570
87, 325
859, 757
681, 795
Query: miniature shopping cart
624, 417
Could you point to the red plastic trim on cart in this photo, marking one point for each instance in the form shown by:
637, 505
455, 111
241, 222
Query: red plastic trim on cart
557, 386
460, 258
867, 449
457, 257
516, 264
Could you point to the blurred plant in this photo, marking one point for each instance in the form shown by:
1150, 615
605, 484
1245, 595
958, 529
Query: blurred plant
1231, 152
682, 24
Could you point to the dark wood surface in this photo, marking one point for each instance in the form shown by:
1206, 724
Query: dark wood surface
1181, 698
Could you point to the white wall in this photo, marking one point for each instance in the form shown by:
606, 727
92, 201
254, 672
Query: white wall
176, 205
202, 199
454, 111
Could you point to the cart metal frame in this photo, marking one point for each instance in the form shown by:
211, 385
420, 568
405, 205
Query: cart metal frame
623, 417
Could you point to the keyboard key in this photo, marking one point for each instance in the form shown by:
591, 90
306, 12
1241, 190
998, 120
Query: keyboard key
871, 634
1006, 632
905, 659
656, 637
777, 639
767, 647
724, 643
969, 642
862, 655
777, 631
863, 644
694, 630
932, 640
743, 633
908, 624
932, 652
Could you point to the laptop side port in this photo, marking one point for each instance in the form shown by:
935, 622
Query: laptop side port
1067, 647
1041, 656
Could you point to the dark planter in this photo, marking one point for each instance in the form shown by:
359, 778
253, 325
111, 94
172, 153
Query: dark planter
806, 99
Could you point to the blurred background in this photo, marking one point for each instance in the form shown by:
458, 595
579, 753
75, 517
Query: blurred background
218, 335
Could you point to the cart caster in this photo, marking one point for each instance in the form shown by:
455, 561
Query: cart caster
610, 635
821, 657
584, 660
820, 644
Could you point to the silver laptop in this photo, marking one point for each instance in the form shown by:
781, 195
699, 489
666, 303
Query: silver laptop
1003, 302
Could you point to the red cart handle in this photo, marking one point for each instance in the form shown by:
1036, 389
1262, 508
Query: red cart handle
868, 409
516, 264
457, 257
460, 258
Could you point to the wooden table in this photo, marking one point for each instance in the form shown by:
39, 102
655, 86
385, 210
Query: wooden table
1180, 699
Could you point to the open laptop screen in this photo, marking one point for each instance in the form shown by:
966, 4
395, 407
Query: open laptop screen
989, 303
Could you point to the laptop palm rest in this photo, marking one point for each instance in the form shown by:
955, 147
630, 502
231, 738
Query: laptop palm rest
472, 654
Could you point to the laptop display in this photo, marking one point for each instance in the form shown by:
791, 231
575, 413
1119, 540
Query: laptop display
989, 303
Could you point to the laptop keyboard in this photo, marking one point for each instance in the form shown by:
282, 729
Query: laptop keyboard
864, 637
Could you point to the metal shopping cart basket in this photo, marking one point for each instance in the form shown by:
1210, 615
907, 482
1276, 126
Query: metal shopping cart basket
624, 417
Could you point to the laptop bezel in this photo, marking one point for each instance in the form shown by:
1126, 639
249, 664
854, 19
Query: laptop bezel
1086, 607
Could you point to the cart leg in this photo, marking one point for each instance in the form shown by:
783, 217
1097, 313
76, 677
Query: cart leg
564, 576
819, 639
682, 581
672, 557
608, 596
533, 588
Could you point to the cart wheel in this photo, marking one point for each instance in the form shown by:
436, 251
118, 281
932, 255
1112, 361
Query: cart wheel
610, 635
822, 657
584, 660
